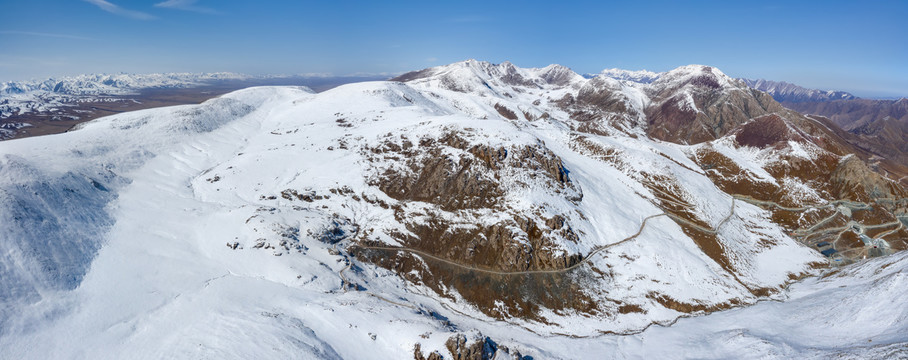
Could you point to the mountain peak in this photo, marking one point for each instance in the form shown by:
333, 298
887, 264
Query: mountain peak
697, 75
700, 75
558, 75
638, 76
469, 75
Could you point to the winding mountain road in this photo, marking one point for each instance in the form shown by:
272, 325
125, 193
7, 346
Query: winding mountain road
586, 259
851, 204
589, 257
583, 261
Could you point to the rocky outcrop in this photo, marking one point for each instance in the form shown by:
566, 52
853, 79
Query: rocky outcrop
418, 355
453, 198
602, 105
481, 349
695, 104
853, 180
461, 179
877, 127
767, 130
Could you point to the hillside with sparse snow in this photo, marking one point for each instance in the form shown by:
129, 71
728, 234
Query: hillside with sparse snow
787, 92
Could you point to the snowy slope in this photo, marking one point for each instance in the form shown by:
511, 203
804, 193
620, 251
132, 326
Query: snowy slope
229, 229
848, 314
56, 207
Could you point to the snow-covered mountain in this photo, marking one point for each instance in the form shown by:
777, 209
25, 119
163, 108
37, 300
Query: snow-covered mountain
638, 76
114, 84
469, 208
787, 92
780, 91
22, 97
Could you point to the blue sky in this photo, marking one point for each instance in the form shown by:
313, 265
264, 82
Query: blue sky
860, 47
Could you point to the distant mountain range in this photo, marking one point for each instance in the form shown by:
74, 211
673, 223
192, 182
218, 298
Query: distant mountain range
878, 127
787, 92
781, 91
40, 107
638, 76
47, 96
113, 84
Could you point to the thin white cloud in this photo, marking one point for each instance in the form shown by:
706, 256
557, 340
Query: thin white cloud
115, 9
31, 33
187, 5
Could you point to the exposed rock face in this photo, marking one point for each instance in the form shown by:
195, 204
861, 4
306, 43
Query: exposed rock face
877, 127
760, 122
466, 180
603, 105
696, 103
482, 348
853, 180
453, 196
418, 355
806, 159
604, 95
413, 75
765, 131
511, 75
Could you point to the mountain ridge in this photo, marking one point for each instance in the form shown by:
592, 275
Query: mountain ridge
788, 92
